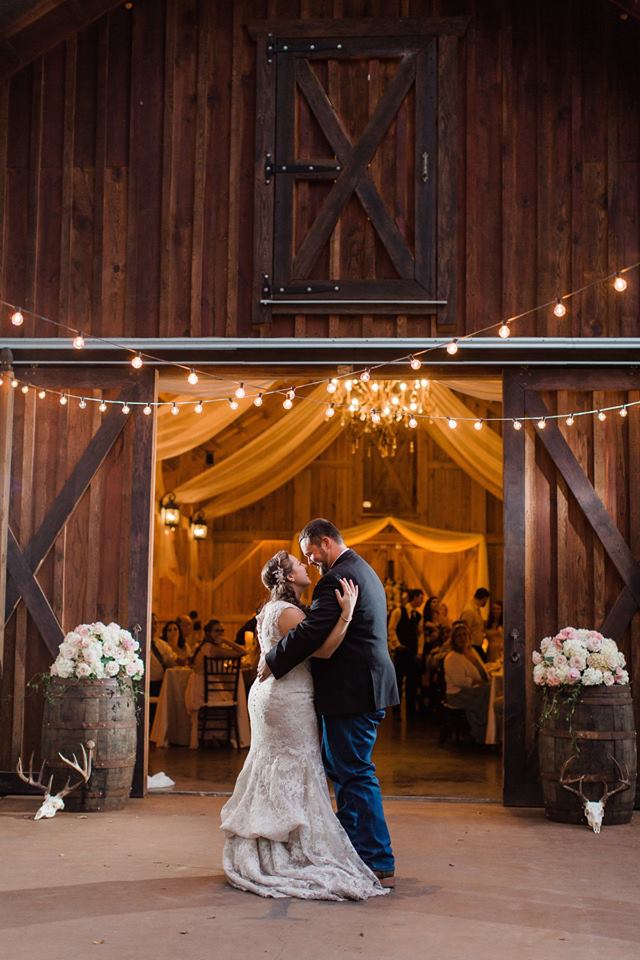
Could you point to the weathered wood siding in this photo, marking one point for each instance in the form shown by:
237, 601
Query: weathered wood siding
127, 171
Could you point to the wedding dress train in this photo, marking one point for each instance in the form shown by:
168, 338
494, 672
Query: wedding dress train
282, 836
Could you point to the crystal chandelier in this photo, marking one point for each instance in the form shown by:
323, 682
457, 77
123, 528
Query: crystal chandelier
381, 410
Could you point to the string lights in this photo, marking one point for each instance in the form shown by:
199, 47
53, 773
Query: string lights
503, 328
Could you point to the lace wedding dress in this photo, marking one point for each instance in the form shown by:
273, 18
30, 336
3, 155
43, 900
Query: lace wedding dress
282, 836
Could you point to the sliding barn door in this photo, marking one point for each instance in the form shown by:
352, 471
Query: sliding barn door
77, 496
572, 534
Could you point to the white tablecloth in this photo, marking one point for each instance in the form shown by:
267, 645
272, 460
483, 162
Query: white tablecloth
497, 686
175, 724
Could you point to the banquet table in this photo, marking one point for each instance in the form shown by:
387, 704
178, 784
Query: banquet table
175, 724
495, 691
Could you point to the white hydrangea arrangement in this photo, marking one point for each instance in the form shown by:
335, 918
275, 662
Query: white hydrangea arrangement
98, 651
577, 656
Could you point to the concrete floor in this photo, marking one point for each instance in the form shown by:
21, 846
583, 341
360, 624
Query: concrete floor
474, 882
408, 758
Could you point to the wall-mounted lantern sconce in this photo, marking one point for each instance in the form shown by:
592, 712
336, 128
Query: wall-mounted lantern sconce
170, 511
198, 526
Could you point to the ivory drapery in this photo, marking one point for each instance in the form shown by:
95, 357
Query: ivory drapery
477, 452
264, 463
177, 434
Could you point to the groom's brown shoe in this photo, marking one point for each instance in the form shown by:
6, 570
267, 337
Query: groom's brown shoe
387, 878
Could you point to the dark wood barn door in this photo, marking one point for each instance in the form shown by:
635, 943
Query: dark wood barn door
78, 499
347, 164
572, 535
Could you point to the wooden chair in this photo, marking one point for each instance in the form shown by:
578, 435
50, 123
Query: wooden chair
453, 720
219, 715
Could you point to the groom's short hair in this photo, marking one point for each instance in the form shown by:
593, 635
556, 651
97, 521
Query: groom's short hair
316, 529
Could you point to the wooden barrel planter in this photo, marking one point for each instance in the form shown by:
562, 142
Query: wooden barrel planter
603, 727
99, 710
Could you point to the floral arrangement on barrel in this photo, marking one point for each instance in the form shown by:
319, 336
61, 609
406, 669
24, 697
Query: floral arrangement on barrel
573, 659
98, 651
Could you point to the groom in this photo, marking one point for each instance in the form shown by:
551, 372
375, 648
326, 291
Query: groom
352, 688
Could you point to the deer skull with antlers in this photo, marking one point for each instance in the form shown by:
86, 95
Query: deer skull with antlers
594, 809
55, 802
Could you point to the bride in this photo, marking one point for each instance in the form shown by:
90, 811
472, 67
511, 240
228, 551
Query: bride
282, 836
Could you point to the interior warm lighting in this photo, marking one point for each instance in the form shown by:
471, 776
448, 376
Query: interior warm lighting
478, 425
63, 401
365, 376
453, 423
16, 318
147, 410
233, 403
257, 402
78, 342
619, 284
570, 420
175, 409
198, 407
452, 348
415, 363
193, 377
169, 511
623, 411
559, 310
241, 392
602, 416
517, 425
542, 423
83, 404
136, 363
198, 527
504, 331
102, 406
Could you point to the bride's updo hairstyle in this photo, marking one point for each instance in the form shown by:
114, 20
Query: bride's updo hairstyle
274, 576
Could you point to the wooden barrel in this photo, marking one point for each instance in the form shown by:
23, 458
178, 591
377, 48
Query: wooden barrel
604, 728
100, 710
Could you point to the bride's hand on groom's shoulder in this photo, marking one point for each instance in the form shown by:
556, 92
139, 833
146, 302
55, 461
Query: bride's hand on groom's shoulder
347, 598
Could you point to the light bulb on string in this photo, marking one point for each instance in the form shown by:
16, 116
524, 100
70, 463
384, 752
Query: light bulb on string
517, 425
559, 310
330, 411
348, 385
413, 423
241, 392
375, 387
623, 411
147, 410
257, 401
198, 407
287, 403
63, 401
126, 408
542, 423
619, 284
504, 331
193, 377
24, 388
602, 416
291, 394
102, 406
453, 423
83, 403
478, 425
14, 383
375, 416
175, 409
136, 362
42, 394
570, 420
415, 363
332, 386
16, 318
233, 403
78, 342
365, 376
452, 347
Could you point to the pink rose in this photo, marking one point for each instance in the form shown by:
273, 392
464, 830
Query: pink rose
536, 657
573, 675
552, 678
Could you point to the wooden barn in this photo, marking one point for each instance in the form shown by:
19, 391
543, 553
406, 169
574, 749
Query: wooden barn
260, 199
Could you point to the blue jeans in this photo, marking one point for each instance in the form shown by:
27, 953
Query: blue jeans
347, 745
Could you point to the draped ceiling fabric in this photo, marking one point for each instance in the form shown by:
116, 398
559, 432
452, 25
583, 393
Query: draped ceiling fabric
275, 455
177, 434
264, 463
477, 452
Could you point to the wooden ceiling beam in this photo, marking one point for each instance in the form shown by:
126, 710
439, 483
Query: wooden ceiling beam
45, 26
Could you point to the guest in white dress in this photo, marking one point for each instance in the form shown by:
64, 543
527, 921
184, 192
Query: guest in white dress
282, 836
467, 680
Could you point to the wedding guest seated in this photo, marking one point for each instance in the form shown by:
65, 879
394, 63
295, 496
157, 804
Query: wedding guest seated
161, 657
474, 620
495, 633
186, 625
214, 644
172, 635
467, 682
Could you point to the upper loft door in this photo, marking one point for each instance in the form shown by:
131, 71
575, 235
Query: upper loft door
346, 170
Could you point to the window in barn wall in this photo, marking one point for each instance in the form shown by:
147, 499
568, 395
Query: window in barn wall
345, 174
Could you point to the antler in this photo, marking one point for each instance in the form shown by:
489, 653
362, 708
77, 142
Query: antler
46, 788
624, 781
566, 783
84, 770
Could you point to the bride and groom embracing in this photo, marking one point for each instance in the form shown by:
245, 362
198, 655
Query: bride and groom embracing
328, 662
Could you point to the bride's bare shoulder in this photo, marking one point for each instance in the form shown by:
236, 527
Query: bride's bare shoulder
289, 618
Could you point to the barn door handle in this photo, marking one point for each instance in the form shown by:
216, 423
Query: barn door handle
425, 167
516, 643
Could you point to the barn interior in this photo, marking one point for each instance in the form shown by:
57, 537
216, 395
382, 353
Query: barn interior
419, 497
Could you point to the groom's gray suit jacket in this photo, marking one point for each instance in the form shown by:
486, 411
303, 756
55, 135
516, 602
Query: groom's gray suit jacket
359, 677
